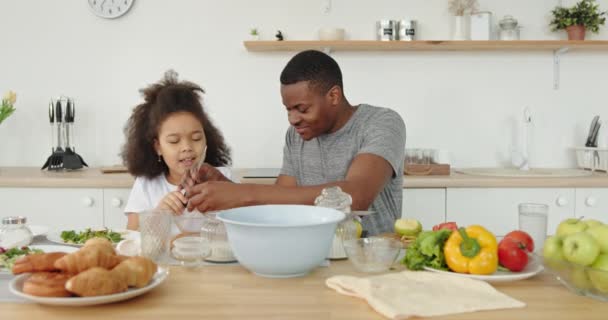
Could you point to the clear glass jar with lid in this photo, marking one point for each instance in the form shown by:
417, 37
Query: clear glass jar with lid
334, 197
509, 29
215, 232
14, 233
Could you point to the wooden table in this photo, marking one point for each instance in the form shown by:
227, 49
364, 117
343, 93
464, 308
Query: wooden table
231, 292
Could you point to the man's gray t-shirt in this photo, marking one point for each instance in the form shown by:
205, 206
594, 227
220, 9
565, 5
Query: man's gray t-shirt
326, 159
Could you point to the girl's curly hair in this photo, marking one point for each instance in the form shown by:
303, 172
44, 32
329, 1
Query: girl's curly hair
160, 100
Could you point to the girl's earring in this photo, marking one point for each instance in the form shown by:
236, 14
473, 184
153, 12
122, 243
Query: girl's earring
159, 160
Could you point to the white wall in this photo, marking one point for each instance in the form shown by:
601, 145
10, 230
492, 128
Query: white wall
465, 102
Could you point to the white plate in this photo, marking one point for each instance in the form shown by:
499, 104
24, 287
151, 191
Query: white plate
46, 248
55, 236
16, 287
38, 230
533, 268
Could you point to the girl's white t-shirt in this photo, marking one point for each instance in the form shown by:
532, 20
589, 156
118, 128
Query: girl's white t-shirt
146, 193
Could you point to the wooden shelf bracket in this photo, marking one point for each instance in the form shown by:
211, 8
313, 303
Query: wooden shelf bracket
556, 65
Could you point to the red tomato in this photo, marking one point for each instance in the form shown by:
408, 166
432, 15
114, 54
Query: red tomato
512, 256
521, 238
446, 225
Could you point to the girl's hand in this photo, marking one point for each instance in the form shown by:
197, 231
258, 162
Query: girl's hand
174, 201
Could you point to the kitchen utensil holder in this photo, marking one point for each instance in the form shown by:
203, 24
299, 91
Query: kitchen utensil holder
594, 159
61, 117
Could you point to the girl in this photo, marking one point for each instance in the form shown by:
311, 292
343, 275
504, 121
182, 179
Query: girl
167, 135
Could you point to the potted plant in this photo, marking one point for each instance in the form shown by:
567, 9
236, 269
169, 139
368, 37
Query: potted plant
7, 107
583, 16
254, 34
460, 8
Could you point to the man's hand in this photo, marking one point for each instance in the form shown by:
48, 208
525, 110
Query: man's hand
205, 173
216, 195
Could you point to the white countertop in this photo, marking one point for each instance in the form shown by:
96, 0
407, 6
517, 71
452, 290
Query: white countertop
33, 177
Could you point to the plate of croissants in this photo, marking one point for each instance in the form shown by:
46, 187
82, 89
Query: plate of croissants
92, 275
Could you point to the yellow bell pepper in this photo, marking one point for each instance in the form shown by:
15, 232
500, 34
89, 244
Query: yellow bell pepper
472, 250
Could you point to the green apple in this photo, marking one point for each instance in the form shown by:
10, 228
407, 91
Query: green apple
592, 223
408, 227
600, 234
552, 252
580, 248
570, 226
579, 278
598, 274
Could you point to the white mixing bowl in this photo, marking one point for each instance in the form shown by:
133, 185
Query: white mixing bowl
280, 241
331, 34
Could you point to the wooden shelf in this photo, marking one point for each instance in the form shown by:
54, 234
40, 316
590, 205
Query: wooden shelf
430, 45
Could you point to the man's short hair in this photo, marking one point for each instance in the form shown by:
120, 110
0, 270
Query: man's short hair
319, 69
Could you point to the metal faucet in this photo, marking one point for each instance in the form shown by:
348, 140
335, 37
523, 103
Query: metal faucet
520, 158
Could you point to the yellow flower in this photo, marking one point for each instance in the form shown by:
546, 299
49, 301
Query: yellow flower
10, 97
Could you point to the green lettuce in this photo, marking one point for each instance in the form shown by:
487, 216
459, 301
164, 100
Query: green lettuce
427, 251
71, 236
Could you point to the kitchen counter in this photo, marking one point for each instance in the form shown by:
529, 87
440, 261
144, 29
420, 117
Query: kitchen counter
231, 292
32, 177
93, 178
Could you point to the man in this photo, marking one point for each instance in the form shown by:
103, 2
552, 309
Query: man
330, 143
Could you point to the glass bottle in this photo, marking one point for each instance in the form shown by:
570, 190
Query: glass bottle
334, 197
215, 232
14, 233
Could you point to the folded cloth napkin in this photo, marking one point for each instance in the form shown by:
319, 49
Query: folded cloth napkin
423, 294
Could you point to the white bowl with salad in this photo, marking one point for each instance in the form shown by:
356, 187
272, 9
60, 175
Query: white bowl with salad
79, 237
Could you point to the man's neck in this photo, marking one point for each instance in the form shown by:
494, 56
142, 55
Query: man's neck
345, 112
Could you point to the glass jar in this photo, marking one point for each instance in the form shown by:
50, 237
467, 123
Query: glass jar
215, 232
14, 233
335, 198
509, 30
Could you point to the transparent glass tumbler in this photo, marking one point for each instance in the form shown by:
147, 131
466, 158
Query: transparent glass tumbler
533, 220
214, 231
155, 232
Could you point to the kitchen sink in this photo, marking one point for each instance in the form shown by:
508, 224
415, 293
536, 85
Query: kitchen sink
532, 173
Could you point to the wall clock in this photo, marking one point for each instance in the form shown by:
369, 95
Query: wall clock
110, 9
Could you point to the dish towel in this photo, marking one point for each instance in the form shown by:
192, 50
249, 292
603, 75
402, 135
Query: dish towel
423, 294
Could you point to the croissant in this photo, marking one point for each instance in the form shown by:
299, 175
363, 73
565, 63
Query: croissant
85, 258
103, 243
47, 284
95, 281
37, 262
135, 271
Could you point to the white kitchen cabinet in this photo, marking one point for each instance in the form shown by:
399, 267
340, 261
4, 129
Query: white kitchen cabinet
425, 205
114, 201
592, 203
57, 208
496, 208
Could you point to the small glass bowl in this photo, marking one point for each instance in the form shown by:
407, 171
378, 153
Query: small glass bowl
190, 222
374, 254
191, 250
582, 280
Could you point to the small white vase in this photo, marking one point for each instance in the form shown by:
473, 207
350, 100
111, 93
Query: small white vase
460, 29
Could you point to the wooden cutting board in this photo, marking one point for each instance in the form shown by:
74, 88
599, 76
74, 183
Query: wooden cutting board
114, 169
435, 169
